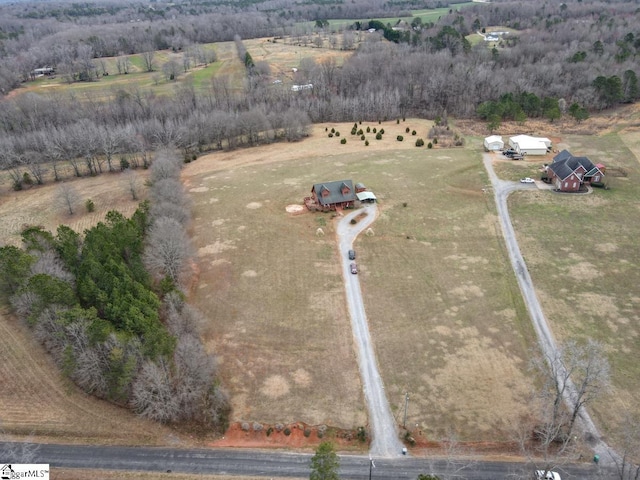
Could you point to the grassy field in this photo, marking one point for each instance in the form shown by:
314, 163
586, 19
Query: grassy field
445, 312
583, 255
281, 57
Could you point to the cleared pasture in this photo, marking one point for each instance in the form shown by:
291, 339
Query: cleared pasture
445, 312
583, 255
444, 309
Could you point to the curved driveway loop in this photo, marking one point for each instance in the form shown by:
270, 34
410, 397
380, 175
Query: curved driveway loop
502, 189
383, 428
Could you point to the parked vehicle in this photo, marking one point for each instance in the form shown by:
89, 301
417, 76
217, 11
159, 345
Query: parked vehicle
354, 268
527, 180
352, 254
549, 475
509, 152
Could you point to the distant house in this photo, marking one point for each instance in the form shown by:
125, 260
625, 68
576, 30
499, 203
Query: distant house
526, 145
568, 173
493, 143
331, 196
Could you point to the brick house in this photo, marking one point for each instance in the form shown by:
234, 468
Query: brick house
568, 173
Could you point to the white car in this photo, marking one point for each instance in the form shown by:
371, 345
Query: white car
527, 180
550, 475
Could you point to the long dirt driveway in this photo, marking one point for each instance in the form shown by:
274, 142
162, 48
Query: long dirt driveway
502, 189
385, 436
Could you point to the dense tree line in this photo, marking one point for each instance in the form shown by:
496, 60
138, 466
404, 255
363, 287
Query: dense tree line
109, 306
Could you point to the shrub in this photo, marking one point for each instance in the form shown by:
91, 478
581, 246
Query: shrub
307, 432
355, 125
400, 138
382, 131
333, 130
413, 132
360, 132
326, 129
244, 426
353, 221
397, 121
279, 427
368, 129
269, 431
419, 142
287, 431
89, 205
353, 131
435, 141
362, 434
374, 130
330, 135
378, 136
26, 179
362, 137
124, 163
343, 141
337, 134
322, 429
429, 145
366, 143
404, 204
379, 122
407, 130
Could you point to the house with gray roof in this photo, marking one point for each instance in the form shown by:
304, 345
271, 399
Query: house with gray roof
569, 173
334, 195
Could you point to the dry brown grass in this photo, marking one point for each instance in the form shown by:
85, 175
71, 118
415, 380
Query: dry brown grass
445, 312
267, 280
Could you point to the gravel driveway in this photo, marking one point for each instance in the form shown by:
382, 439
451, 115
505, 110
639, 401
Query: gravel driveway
547, 342
382, 424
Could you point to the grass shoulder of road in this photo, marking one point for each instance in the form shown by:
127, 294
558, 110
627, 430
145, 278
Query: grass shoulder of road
84, 474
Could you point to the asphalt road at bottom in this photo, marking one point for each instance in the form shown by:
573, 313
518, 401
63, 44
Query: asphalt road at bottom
278, 464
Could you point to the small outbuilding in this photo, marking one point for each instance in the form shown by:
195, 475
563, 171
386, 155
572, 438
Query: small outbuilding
526, 145
493, 143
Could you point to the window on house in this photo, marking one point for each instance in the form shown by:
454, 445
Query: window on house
566, 184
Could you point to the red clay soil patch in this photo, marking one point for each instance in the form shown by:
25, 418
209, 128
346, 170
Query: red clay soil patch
300, 437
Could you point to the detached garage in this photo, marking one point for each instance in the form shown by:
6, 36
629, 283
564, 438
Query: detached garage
526, 145
493, 143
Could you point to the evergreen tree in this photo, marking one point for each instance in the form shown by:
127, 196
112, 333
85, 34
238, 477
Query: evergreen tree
325, 463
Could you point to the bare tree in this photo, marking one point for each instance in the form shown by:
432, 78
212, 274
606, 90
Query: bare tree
67, 198
148, 57
168, 250
627, 460
166, 164
133, 183
153, 396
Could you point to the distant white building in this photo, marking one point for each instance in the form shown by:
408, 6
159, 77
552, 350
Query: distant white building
298, 88
526, 145
493, 143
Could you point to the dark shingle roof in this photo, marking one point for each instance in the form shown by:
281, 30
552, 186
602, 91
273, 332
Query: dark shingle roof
564, 164
335, 192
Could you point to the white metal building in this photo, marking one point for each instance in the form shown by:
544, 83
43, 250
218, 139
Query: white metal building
492, 143
526, 145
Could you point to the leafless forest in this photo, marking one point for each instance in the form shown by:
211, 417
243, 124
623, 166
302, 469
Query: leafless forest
580, 52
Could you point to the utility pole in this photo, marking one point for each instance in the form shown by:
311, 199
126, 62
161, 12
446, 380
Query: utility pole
406, 404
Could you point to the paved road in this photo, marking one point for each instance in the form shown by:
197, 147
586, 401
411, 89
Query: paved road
382, 424
276, 464
502, 190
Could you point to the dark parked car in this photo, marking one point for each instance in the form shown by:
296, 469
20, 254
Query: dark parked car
352, 254
354, 268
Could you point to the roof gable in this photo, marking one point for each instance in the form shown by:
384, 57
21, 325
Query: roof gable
334, 192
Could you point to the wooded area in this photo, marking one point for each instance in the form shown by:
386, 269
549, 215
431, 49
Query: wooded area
559, 58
